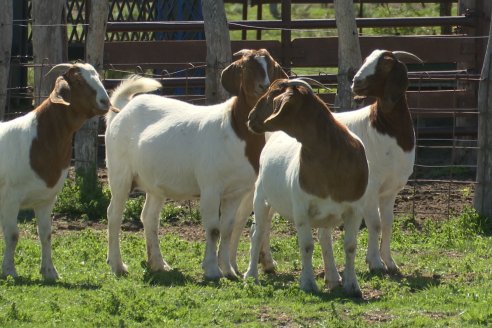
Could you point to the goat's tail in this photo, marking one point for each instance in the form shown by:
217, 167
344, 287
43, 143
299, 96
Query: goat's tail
130, 87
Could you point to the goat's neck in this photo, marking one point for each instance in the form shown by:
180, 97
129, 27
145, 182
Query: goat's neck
51, 150
396, 122
254, 142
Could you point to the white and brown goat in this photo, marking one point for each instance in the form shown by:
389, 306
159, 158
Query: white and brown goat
36, 152
172, 149
313, 171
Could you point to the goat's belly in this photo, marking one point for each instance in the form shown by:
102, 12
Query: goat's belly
37, 194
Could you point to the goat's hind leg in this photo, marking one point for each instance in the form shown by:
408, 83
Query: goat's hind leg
332, 277
43, 215
209, 210
150, 219
351, 223
243, 212
119, 195
8, 219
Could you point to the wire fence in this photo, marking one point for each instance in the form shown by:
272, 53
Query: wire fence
443, 181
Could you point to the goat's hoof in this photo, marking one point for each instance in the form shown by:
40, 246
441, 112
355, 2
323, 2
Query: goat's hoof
231, 276
250, 275
49, 274
161, 267
378, 271
332, 284
309, 286
213, 275
269, 269
11, 273
353, 291
120, 270
394, 271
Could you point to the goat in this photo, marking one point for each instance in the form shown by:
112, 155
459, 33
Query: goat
313, 171
37, 150
386, 129
169, 148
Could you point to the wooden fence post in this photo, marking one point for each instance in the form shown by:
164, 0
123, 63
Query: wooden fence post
49, 43
6, 21
349, 56
85, 152
483, 192
219, 53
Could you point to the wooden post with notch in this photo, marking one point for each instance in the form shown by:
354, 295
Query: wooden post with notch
6, 21
49, 43
85, 150
349, 55
483, 192
219, 53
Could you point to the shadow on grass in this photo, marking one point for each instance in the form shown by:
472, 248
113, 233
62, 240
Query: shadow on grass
415, 281
23, 281
167, 278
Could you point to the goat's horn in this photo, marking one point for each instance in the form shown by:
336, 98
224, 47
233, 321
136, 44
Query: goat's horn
57, 67
402, 55
297, 82
242, 52
313, 82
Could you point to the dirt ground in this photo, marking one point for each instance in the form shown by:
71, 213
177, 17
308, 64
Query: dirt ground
421, 200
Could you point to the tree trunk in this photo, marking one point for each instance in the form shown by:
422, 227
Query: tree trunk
49, 42
349, 56
483, 193
86, 138
218, 48
6, 20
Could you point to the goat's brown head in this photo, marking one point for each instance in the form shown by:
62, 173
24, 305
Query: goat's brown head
384, 76
251, 75
80, 87
280, 108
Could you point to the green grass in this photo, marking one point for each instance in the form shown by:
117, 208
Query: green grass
446, 281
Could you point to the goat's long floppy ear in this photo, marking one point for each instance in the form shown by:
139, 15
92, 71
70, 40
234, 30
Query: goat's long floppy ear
231, 78
61, 92
281, 105
395, 87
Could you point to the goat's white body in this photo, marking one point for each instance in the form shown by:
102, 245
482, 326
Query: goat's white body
172, 149
17, 179
278, 188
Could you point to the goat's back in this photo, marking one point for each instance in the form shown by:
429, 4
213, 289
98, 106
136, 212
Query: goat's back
172, 147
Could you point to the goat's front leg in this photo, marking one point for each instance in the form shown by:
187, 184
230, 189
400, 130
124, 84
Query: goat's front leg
332, 277
8, 218
209, 210
43, 215
258, 234
373, 222
386, 206
306, 247
150, 219
351, 224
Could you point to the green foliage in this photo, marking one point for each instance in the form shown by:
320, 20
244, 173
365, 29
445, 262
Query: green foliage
84, 197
